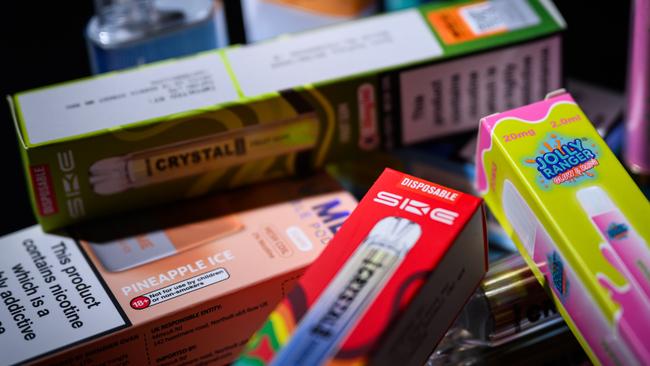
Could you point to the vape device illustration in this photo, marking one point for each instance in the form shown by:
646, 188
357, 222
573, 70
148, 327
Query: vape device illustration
346, 298
620, 236
187, 158
122, 254
575, 297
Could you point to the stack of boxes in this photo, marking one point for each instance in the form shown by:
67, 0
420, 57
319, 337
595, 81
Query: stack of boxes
154, 247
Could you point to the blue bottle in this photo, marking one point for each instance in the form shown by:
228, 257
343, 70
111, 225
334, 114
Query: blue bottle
125, 33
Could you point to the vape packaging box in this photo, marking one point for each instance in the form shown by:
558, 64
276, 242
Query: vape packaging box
424, 161
578, 219
185, 284
229, 117
388, 285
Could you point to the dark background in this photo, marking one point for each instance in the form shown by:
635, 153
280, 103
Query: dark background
42, 43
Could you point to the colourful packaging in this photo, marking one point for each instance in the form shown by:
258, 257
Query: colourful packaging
578, 219
225, 118
389, 284
189, 283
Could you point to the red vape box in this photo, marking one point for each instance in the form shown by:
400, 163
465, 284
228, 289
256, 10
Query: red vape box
388, 285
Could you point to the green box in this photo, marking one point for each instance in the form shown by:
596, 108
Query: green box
220, 119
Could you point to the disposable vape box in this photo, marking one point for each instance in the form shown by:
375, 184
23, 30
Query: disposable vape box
185, 284
388, 285
424, 161
578, 219
225, 118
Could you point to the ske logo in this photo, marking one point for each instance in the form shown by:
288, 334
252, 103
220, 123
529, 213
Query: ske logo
416, 207
70, 180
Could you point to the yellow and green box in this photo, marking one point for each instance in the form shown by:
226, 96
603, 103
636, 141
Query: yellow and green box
578, 219
229, 117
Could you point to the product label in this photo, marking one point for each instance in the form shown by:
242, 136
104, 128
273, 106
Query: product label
335, 52
428, 189
43, 189
572, 156
368, 126
50, 296
562, 160
179, 288
446, 98
125, 97
465, 23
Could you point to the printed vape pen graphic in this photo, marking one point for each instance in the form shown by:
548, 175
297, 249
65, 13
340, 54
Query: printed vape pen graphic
560, 281
196, 156
342, 304
369, 266
562, 158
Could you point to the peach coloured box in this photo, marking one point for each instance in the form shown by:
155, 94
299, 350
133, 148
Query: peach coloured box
578, 219
387, 287
188, 283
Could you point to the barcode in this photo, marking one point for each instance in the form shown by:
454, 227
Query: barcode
483, 18
495, 16
486, 19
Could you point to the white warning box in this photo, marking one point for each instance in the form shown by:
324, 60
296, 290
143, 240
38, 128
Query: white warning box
179, 288
50, 297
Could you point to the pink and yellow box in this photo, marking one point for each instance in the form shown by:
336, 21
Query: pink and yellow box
578, 219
